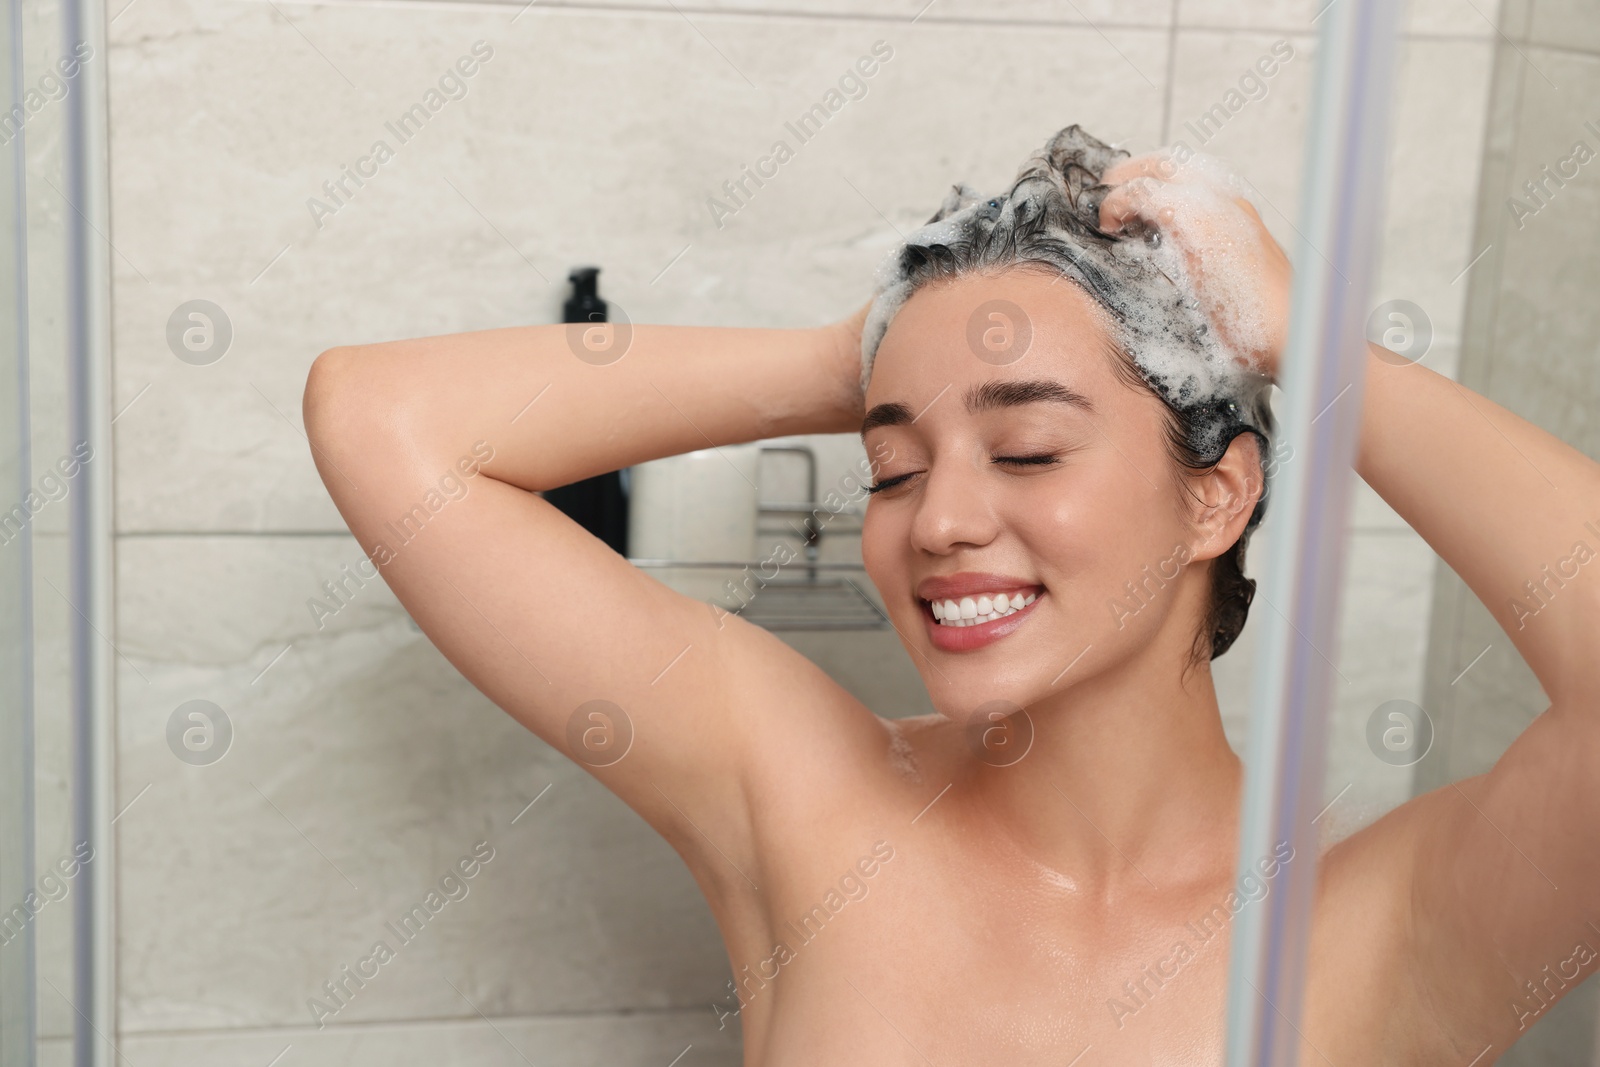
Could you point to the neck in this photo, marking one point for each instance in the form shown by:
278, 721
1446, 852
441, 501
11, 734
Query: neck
1129, 781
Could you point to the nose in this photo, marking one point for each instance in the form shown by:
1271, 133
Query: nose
953, 510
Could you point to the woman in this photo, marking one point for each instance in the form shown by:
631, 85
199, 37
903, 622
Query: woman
1066, 475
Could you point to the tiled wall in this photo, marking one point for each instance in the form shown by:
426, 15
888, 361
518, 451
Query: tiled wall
1531, 347
361, 765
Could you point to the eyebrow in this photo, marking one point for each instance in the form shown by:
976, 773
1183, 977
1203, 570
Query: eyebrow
988, 396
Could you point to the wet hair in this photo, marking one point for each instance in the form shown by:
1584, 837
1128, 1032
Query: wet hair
1231, 591
1159, 340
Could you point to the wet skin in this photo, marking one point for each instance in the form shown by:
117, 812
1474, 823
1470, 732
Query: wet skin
1020, 897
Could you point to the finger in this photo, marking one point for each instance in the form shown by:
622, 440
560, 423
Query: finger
1158, 164
1128, 201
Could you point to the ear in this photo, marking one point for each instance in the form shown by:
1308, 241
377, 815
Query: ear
1225, 497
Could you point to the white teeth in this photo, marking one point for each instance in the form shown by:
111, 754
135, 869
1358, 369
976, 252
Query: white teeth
971, 612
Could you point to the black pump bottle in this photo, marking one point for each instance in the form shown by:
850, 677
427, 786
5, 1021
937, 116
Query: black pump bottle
598, 504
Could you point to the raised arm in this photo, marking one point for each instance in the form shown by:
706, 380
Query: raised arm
1512, 509
433, 449
1507, 863
561, 403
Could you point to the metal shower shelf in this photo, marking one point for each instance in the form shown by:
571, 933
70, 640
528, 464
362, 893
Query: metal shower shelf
812, 603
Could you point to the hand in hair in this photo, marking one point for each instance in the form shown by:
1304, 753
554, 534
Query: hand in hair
1238, 271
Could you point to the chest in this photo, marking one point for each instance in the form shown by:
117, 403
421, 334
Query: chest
931, 959
922, 957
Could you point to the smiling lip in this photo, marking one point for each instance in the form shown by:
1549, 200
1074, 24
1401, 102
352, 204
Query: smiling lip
970, 583
956, 586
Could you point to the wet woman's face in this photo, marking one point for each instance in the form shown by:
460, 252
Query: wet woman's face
1014, 460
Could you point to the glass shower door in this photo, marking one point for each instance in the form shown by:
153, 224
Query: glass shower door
55, 1005
16, 628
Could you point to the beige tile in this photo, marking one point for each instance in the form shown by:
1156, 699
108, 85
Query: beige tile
1570, 24
1102, 13
631, 1040
202, 205
1470, 18
1383, 639
362, 766
1436, 143
1545, 318
1473, 18
1293, 15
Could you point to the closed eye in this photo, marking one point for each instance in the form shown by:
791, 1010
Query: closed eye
890, 484
1041, 460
